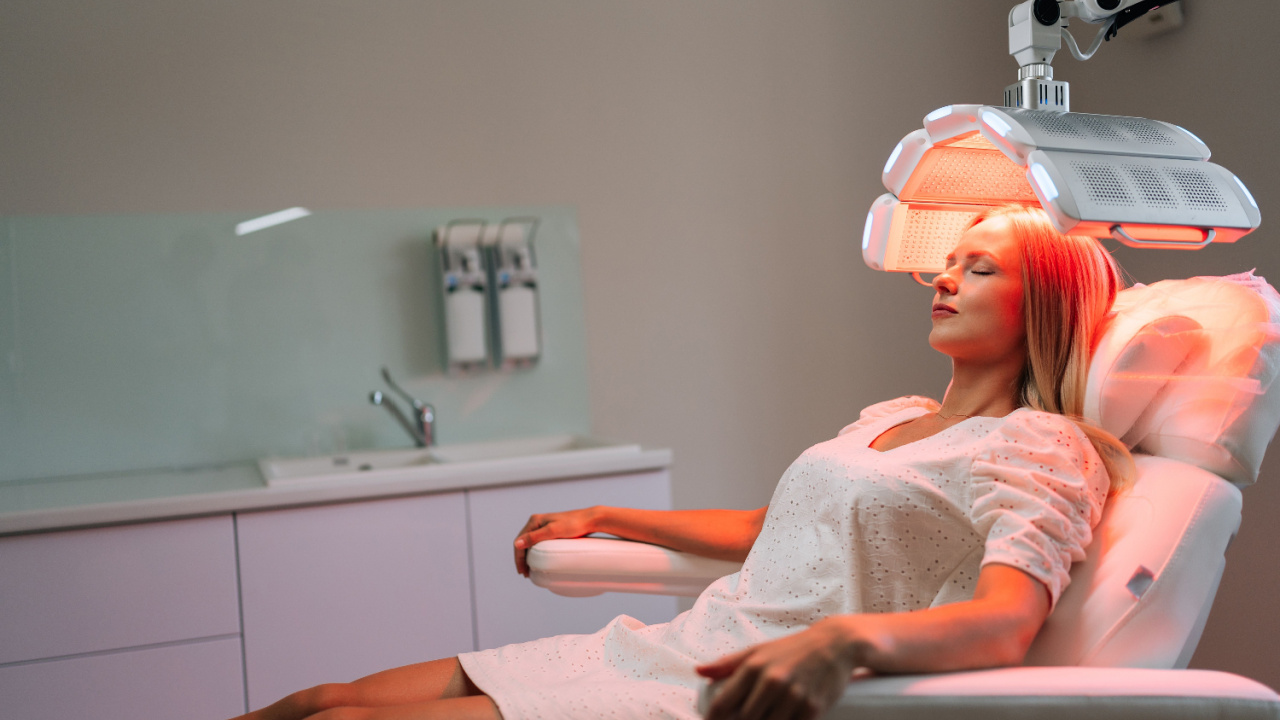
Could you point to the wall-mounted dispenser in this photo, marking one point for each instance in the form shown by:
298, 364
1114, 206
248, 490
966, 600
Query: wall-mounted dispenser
465, 290
514, 276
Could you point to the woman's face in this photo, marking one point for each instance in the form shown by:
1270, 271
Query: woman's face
977, 310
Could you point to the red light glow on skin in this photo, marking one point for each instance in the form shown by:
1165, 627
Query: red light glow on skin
977, 308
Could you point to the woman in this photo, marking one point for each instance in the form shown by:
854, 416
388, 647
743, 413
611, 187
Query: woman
925, 537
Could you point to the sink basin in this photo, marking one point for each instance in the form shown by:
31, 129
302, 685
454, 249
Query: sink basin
278, 471
439, 460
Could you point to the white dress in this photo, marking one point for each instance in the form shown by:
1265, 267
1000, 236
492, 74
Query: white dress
849, 530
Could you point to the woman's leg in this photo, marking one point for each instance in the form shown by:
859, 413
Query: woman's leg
478, 707
408, 685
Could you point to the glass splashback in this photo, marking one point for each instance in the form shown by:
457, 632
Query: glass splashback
143, 342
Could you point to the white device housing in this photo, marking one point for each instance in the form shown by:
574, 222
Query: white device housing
515, 286
1143, 182
464, 290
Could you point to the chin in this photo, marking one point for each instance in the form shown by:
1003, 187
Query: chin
938, 341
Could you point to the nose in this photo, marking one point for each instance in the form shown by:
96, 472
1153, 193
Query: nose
944, 283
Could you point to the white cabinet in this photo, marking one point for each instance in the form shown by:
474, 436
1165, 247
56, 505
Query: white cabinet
107, 588
189, 681
332, 593
196, 618
509, 608
102, 594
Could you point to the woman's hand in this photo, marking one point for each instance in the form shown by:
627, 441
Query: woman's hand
795, 677
571, 524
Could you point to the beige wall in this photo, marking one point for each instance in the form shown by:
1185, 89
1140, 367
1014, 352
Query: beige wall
721, 155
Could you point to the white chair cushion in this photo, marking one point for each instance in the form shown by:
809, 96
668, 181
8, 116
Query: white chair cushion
1143, 592
1133, 361
1186, 369
589, 566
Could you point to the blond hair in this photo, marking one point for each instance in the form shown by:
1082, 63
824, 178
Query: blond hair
1069, 283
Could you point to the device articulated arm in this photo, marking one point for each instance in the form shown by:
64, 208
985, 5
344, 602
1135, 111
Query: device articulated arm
1037, 29
1037, 26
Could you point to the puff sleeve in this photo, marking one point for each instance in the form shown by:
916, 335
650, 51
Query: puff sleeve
889, 407
1036, 493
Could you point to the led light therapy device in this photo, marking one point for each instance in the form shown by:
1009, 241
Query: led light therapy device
1144, 183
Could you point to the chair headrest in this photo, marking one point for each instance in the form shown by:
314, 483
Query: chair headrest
1185, 370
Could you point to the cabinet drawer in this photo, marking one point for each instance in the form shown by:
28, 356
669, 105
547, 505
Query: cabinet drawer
81, 591
192, 681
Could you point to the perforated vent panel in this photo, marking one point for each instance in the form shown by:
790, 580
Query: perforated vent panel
1159, 190
1104, 133
957, 174
928, 236
1052, 123
1103, 183
1155, 191
1197, 188
1145, 131
1100, 129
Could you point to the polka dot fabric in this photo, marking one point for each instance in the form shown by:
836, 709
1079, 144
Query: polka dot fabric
849, 530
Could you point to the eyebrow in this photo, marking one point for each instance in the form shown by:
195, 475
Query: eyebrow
974, 254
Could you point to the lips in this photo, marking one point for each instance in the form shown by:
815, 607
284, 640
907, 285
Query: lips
940, 310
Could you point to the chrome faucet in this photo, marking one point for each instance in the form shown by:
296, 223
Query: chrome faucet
423, 427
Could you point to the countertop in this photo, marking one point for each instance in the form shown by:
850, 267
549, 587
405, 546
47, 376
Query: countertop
94, 500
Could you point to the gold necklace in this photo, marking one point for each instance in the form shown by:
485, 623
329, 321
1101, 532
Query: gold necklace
952, 415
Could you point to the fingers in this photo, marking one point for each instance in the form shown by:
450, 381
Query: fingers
764, 695
534, 522
533, 537
760, 686
522, 546
571, 524
768, 693
747, 695
523, 543
522, 566
537, 529
794, 708
723, 667
725, 704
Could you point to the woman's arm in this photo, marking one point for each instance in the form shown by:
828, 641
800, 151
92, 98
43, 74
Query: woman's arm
718, 534
804, 674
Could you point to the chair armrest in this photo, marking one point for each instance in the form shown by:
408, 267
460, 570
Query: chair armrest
589, 566
1056, 693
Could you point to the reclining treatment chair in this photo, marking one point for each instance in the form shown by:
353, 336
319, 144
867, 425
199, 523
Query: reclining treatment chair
1183, 375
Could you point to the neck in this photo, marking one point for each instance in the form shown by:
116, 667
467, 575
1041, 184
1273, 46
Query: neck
981, 389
